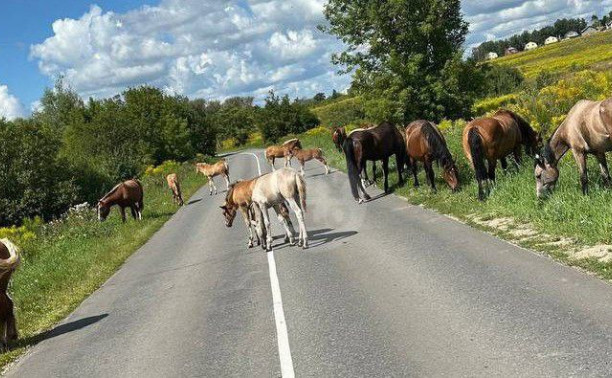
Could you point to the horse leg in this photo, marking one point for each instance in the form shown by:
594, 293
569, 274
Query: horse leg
134, 212
227, 182
212, 185
386, 173
283, 218
271, 161
415, 171
302, 163
299, 214
322, 160
430, 174
247, 221
11, 324
399, 160
603, 165
518, 157
582, 168
492, 167
122, 211
373, 173
267, 226
504, 163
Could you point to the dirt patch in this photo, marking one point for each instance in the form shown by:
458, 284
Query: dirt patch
601, 252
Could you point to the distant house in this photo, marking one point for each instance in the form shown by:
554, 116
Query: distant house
590, 30
571, 34
531, 46
609, 25
551, 40
492, 55
510, 51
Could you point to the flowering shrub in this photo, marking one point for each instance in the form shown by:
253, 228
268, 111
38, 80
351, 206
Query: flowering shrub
317, 131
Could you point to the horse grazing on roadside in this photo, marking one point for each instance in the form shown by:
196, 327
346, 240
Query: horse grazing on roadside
338, 137
425, 143
303, 156
587, 129
240, 197
219, 168
378, 143
494, 138
283, 185
175, 187
9, 260
282, 151
126, 194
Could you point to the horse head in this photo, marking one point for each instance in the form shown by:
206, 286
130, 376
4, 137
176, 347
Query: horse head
451, 175
338, 137
228, 207
546, 172
103, 210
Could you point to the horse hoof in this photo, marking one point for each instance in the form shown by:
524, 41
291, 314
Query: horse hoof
367, 197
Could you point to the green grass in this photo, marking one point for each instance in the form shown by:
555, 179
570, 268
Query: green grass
71, 258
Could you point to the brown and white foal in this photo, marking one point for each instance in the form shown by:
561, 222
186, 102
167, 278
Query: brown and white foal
175, 187
303, 156
9, 260
220, 168
126, 194
282, 151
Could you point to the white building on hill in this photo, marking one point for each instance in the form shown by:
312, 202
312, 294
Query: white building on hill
492, 55
551, 40
531, 46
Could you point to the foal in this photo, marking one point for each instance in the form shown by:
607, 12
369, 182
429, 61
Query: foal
9, 259
126, 194
282, 151
220, 168
306, 155
175, 187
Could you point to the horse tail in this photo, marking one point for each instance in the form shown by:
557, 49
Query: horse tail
351, 165
301, 187
477, 152
9, 264
226, 168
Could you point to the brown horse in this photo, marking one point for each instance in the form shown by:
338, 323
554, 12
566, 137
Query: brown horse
494, 138
303, 156
378, 143
175, 187
220, 168
586, 130
425, 143
282, 151
338, 137
9, 260
126, 194
240, 197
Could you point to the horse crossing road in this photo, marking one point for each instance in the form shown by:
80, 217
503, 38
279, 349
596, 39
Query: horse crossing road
386, 289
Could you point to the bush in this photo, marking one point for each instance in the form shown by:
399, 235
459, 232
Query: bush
340, 112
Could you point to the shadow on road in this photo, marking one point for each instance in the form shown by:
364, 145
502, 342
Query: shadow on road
319, 237
194, 201
60, 330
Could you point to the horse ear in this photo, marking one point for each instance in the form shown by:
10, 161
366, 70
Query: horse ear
224, 207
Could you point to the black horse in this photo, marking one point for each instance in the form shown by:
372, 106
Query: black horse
378, 143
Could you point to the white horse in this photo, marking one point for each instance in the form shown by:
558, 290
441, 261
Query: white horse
270, 190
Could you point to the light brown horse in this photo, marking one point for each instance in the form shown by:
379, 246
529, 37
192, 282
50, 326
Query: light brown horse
175, 187
303, 156
126, 194
9, 260
587, 129
425, 143
282, 151
220, 168
240, 197
494, 138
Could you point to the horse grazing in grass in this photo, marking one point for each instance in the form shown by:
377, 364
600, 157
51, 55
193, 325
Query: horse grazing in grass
494, 138
282, 151
175, 187
240, 197
220, 168
283, 185
378, 143
587, 129
338, 137
425, 143
9, 260
126, 194
303, 156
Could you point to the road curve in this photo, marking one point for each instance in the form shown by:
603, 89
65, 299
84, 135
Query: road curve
386, 289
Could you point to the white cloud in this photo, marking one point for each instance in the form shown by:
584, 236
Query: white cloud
10, 107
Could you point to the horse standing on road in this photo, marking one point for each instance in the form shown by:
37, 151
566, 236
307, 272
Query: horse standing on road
126, 194
587, 129
282, 151
9, 260
175, 187
494, 138
220, 168
303, 156
338, 137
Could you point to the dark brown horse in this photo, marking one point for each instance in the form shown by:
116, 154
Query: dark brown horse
425, 143
378, 143
126, 194
586, 130
338, 137
494, 138
9, 260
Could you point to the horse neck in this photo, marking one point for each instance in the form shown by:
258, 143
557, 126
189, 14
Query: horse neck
113, 196
557, 144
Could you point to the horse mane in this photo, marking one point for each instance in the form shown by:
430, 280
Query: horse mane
113, 190
290, 141
438, 147
547, 153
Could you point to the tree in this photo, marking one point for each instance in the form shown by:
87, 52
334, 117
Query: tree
319, 97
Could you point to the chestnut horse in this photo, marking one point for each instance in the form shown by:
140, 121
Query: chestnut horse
586, 130
175, 187
494, 138
220, 168
126, 194
283, 150
240, 197
303, 156
378, 143
338, 137
9, 260
425, 143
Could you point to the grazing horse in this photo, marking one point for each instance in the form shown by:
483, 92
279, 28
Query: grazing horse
220, 168
495, 138
587, 129
303, 156
175, 187
338, 137
378, 143
9, 260
239, 196
283, 150
275, 188
126, 194
425, 143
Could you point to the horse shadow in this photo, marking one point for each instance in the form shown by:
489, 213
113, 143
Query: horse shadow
194, 201
59, 330
320, 237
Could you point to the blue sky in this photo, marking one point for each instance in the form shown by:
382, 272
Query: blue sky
203, 48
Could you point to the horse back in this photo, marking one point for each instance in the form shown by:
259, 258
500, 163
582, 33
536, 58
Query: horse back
131, 192
380, 142
499, 135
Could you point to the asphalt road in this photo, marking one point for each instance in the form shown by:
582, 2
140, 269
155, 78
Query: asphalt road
386, 289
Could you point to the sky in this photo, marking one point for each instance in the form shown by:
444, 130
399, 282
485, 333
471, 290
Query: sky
210, 49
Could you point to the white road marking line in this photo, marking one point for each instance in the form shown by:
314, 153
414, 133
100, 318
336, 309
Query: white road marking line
282, 336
